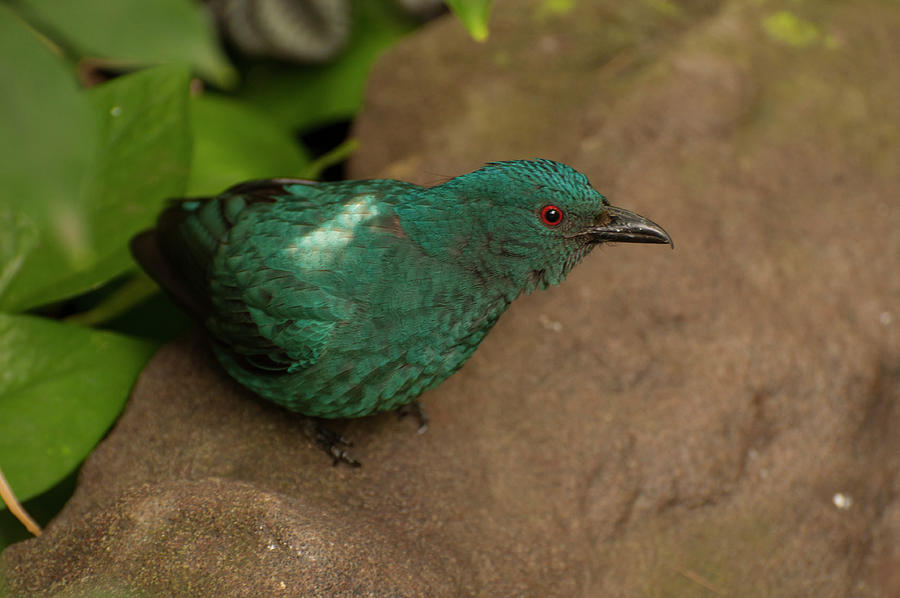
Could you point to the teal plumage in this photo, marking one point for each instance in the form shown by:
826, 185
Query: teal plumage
349, 298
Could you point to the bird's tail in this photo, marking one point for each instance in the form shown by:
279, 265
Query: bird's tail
178, 252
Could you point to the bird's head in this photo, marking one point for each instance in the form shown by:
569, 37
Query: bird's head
532, 220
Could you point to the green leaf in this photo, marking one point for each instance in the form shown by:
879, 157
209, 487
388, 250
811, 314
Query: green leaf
234, 142
141, 126
474, 16
132, 33
49, 140
61, 389
145, 159
19, 238
303, 97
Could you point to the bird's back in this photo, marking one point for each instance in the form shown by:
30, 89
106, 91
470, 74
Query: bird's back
315, 294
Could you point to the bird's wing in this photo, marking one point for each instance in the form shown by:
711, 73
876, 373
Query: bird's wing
275, 320
222, 259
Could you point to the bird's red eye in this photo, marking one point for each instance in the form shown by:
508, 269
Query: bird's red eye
551, 215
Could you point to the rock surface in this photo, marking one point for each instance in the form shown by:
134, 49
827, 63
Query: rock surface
722, 419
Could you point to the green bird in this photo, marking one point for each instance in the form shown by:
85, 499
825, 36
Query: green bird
344, 299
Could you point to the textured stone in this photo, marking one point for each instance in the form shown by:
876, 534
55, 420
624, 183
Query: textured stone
677, 423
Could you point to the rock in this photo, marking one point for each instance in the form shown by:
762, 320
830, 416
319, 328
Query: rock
721, 419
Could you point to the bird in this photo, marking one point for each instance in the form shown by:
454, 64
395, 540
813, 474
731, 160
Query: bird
345, 299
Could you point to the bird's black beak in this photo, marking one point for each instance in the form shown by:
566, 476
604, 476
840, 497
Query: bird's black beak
621, 226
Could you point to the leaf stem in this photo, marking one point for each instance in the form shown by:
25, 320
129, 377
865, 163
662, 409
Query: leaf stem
18, 511
335, 156
132, 292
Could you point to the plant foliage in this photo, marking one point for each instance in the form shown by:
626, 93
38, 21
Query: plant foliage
105, 117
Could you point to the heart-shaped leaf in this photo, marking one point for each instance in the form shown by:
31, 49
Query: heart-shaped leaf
73, 224
233, 142
62, 387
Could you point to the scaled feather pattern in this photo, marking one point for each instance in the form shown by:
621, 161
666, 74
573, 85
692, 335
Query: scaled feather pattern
349, 298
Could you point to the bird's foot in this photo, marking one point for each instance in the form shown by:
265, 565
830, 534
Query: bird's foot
416, 410
329, 441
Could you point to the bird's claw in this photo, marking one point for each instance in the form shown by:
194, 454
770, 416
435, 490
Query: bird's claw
416, 410
334, 444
